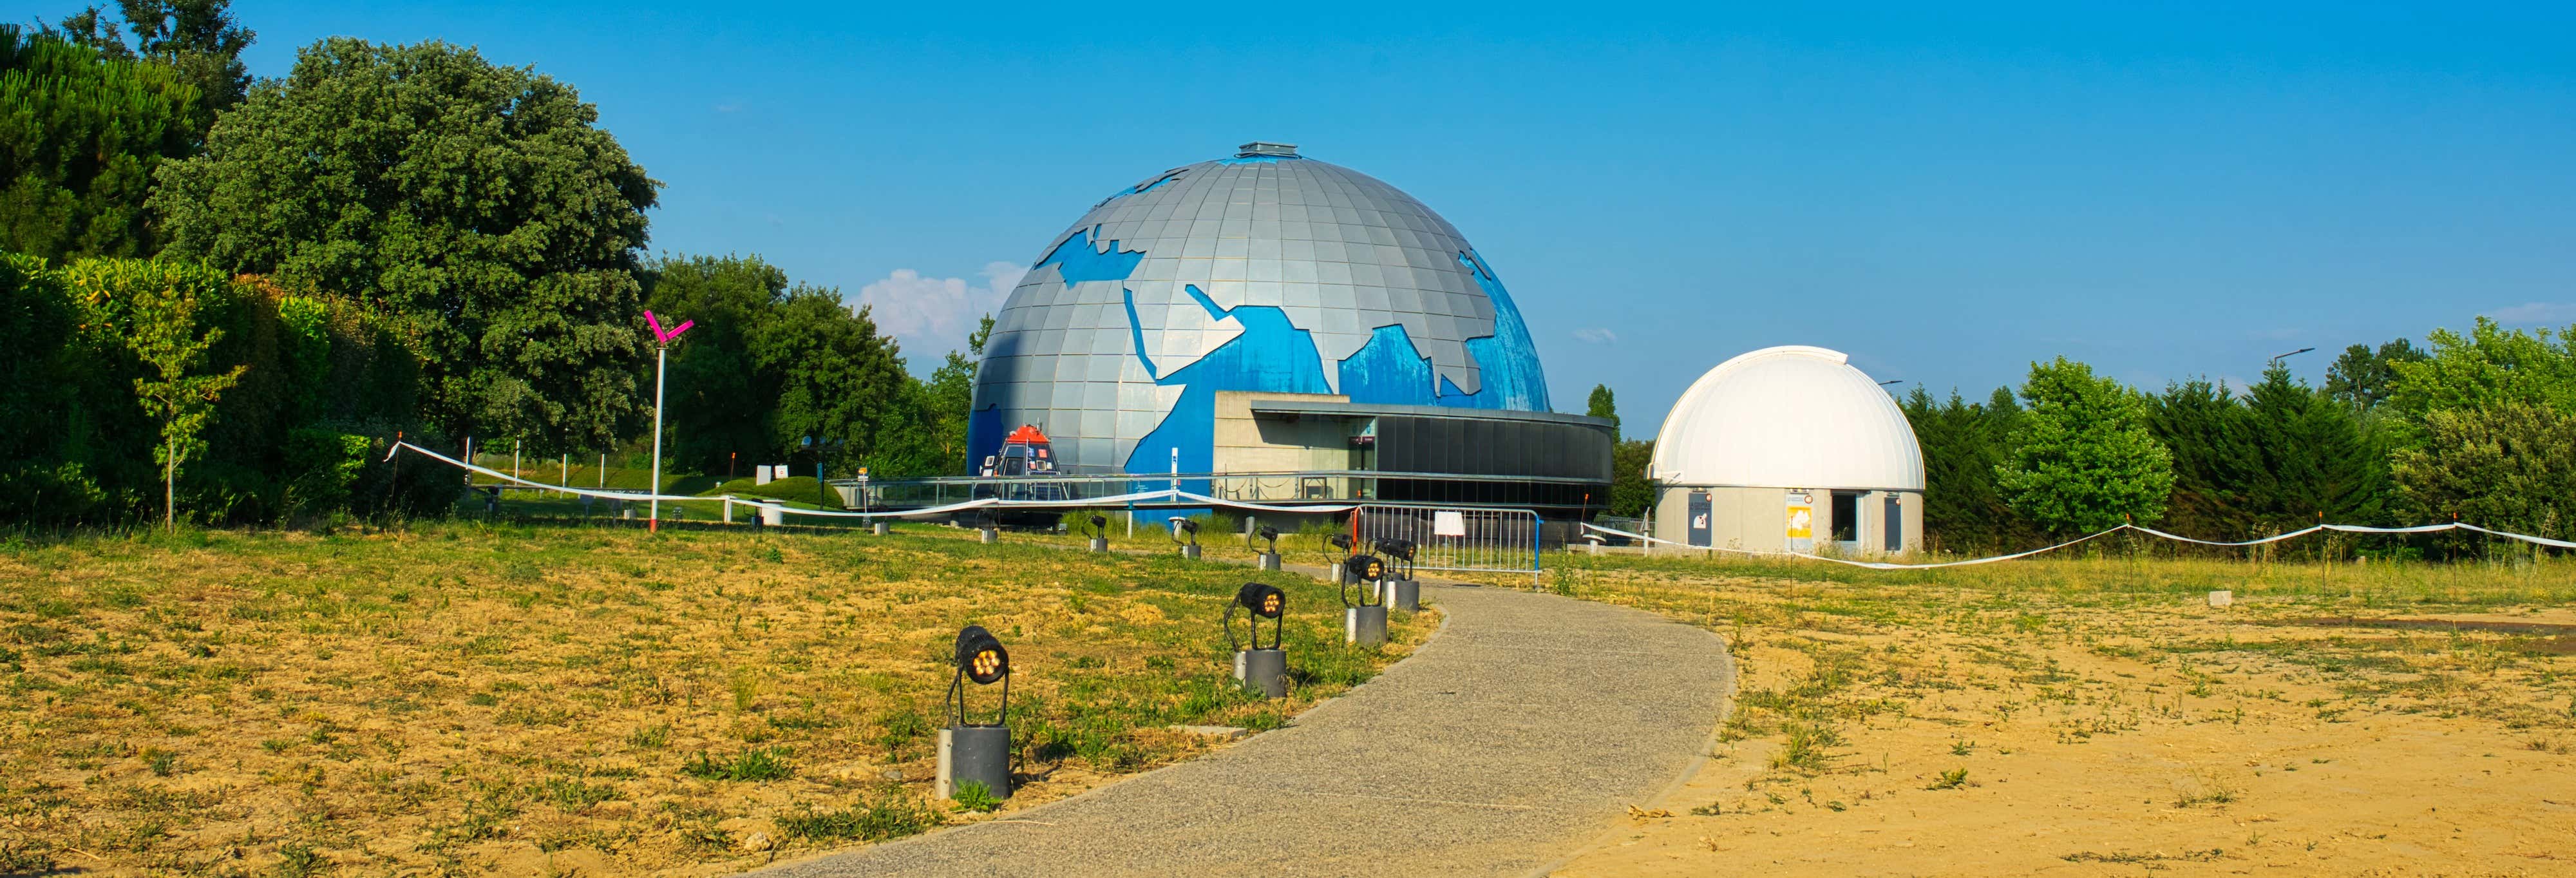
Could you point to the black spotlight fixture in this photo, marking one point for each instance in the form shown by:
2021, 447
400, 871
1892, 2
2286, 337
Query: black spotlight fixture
1402, 590
977, 752
1363, 622
1100, 533
1259, 668
1341, 544
1268, 560
1180, 527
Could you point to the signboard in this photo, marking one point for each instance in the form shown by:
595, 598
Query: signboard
1700, 513
1801, 517
1448, 523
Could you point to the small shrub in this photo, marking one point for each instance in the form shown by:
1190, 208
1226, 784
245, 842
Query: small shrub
973, 795
1950, 780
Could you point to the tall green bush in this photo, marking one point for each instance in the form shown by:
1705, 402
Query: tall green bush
2082, 457
2504, 466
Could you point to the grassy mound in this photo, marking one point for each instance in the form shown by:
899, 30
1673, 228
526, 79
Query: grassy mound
802, 489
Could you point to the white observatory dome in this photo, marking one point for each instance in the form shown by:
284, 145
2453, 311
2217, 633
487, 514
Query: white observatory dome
1788, 417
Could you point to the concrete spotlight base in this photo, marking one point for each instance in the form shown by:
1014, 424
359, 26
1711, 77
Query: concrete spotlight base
1100, 544
770, 514
1341, 574
1263, 670
878, 528
1364, 626
991, 535
1267, 560
1404, 594
978, 753
1190, 552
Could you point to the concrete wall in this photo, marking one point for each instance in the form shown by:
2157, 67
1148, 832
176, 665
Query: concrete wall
1246, 444
1756, 519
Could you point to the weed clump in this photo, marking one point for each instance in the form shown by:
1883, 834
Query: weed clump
756, 764
894, 817
974, 796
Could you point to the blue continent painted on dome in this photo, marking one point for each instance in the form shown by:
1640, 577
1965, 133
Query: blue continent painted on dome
1257, 273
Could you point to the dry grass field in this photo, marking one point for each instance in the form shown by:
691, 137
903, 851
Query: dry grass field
462, 698
2098, 717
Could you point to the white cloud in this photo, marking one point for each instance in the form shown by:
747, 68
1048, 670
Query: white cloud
2536, 312
933, 315
1596, 335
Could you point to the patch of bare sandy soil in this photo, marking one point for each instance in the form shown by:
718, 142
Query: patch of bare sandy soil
2100, 718
462, 699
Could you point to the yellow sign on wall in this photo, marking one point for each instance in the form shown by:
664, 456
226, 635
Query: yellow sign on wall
1802, 517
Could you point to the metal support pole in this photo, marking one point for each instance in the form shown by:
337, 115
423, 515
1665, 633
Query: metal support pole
661, 358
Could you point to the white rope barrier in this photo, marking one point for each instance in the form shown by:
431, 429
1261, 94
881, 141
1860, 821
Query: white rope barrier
1885, 565
1166, 495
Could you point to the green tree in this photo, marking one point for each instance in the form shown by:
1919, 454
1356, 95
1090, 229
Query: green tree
840, 383
2503, 466
200, 40
91, 28
2362, 377
1963, 443
1605, 406
2310, 459
947, 400
162, 304
481, 204
81, 135
2082, 457
2485, 368
720, 399
1630, 492
2204, 425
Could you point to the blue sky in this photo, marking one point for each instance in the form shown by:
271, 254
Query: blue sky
1944, 194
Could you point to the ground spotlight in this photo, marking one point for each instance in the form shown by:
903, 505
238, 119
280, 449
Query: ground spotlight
1341, 544
977, 752
1183, 526
1402, 590
1258, 668
1100, 533
1268, 560
1364, 622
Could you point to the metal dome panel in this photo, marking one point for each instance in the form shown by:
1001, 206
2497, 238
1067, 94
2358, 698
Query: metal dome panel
1265, 271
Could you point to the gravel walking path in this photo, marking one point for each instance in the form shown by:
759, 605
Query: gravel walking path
1503, 745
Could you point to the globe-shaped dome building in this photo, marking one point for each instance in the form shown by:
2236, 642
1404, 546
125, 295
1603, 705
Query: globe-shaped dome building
1265, 273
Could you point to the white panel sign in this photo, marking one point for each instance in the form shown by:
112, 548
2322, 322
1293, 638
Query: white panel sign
1448, 523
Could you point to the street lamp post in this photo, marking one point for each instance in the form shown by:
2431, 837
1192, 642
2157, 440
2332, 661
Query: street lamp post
2279, 357
661, 358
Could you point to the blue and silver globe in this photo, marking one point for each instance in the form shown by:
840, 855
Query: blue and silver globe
1265, 272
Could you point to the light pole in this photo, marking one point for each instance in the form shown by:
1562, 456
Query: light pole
661, 358
2279, 357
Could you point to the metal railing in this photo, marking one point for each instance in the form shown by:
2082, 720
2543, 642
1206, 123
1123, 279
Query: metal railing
1318, 486
1456, 538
